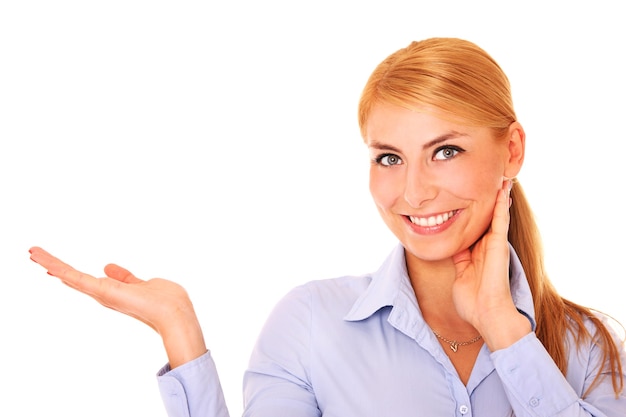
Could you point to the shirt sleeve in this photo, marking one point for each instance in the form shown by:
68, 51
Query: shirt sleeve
536, 387
278, 380
276, 383
192, 389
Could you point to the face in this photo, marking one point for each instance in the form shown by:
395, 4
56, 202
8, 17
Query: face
435, 182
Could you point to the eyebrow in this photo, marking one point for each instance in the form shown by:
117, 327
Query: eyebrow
442, 138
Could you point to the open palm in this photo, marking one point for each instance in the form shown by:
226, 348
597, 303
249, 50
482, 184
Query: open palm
161, 304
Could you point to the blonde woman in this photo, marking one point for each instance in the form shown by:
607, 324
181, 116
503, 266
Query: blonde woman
460, 320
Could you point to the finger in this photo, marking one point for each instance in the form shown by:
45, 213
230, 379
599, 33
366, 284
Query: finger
500, 221
120, 274
45, 259
70, 276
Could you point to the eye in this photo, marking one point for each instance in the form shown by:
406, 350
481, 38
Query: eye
446, 152
388, 159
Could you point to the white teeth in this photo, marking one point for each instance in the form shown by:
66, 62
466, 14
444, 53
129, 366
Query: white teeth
432, 220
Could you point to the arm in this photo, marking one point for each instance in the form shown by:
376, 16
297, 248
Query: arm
535, 385
533, 382
481, 292
278, 379
161, 304
190, 385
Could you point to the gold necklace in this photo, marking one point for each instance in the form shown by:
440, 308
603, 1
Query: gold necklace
454, 345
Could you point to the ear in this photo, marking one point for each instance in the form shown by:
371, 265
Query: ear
516, 148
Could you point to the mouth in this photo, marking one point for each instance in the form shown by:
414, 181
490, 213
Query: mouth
431, 221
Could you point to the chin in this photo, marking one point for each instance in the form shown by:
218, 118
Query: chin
430, 253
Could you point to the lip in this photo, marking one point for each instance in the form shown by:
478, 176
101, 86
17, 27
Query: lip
434, 229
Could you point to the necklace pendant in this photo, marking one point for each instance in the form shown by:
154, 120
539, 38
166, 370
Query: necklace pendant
454, 346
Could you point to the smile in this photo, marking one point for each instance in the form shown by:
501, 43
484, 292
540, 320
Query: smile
432, 220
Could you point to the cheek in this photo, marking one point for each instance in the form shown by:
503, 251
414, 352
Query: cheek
478, 183
474, 190
382, 188
481, 193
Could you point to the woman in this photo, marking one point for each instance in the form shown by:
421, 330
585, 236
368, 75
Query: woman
461, 318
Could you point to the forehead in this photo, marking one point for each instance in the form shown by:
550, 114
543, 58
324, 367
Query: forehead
389, 123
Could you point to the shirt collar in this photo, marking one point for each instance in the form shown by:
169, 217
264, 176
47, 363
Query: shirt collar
390, 286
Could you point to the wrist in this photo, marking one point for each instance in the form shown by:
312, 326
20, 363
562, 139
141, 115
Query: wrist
183, 341
505, 330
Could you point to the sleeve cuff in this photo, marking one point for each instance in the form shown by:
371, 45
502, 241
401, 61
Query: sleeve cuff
532, 379
192, 389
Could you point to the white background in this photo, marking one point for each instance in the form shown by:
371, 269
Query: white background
218, 146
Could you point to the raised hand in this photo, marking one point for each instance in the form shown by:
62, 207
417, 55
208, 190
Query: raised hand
481, 292
159, 303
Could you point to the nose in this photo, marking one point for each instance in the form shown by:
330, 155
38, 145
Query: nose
419, 188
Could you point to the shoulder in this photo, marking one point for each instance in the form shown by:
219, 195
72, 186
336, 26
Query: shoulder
598, 321
338, 287
336, 294
319, 304
594, 337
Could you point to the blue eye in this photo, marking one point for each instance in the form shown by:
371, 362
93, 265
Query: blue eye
446, 152
388, 159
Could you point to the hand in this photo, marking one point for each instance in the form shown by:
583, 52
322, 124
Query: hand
481, 292
159, 303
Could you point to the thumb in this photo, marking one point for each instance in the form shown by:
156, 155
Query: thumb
120, 274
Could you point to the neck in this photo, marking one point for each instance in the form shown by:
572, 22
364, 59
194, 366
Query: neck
431, 280
432, 283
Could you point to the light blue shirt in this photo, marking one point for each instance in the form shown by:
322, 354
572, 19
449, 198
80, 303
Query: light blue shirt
359, 346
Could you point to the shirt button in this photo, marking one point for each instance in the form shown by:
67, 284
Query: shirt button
463, 409
534, 402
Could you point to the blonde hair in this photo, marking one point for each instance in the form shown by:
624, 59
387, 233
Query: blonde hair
463, 83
